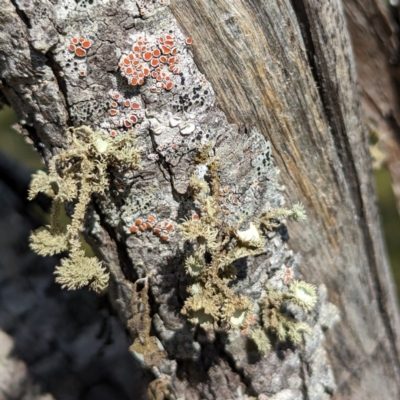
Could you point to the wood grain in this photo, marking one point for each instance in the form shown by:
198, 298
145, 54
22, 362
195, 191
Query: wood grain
300, 91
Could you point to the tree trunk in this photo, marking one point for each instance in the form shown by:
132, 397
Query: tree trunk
284, 68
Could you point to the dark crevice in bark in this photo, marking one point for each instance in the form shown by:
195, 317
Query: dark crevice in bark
220, 340
21, 14
124, 261
305, 28
333, 114
61, 83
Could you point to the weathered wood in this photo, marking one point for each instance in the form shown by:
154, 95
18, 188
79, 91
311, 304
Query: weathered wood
305, 101
286, 69
374, 34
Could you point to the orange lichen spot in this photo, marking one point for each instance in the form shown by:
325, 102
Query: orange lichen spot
86, 44
164, 237
139, 221
171, 67
174, 51
75, 40
126, 61
136, 63
169, 85
140, 75
127, 123
151, 218
169, 43
156, 231
136, 49
133, 118
139, 67
82, 73
286, 280
147, 56
127, 103
81, 40
113, 112
142, 227
195, 217
133, 229
129, 71
140, 81
174, 146
154, 74
80, 52
161, 39
116, 96
189, 40
146, 71
143, 48
159, 78
165, 49
136, 106
163, 59
176, 70
169, 227
72, 47
134, 81
169, 37
154, 62
113, 133
156, 53
149, 225
172, 60
131, 56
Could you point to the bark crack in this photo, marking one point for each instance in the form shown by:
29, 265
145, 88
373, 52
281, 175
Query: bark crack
335, 119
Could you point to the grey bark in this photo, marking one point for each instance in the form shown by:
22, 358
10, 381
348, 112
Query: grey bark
286, 69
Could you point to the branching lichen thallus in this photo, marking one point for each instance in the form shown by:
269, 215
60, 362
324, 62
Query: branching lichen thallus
75, 175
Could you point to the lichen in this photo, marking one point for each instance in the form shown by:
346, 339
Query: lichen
274, 318
75, 175
216, 244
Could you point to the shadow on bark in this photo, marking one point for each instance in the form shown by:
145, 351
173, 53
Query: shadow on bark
73, 344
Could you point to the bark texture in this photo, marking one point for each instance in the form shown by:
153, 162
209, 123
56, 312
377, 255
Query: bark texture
284, 68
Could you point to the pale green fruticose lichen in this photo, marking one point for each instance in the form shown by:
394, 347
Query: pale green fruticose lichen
216, 245
284, 326
76, 174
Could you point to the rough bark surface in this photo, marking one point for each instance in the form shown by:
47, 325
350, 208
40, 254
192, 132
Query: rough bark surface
284, 68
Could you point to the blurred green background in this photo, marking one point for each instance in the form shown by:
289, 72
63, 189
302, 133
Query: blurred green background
14, 144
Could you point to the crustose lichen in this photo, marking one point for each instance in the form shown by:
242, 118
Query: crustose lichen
75, 174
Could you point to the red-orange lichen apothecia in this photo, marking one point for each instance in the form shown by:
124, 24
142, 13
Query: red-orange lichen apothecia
154, 58
80, 46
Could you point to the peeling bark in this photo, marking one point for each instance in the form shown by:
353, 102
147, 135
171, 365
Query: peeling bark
285, 69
